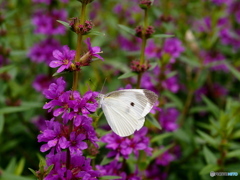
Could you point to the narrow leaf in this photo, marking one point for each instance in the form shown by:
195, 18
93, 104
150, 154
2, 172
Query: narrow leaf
127, 29
233, 154
96, 33
20, 167
127, 75
6, 68
233, 70
209, 156
1, 123
207, 169
162, 35
174, 98
34, 173
105, 161
190, 62
207, 138
66, 24
153, 121
111, 177
14, 109
161, 137
212, 107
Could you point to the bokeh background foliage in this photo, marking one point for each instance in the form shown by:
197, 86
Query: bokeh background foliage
195, 73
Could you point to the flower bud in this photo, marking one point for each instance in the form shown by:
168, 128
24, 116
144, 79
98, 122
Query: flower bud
139, 68
144, 4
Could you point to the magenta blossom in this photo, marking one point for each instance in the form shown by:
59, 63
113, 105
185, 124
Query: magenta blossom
46, 22
42, 51
62, 58
124, 146
80, 167
93, 51
42, 82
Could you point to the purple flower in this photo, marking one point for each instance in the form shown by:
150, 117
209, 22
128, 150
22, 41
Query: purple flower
76, 142
230, 37
39, 122
55, 89
114, 168
166, 158
168, 119
46, 22
53, 136
172, 47
129, 45
153, 172
124, 146
211, 57
42, 82
42, 52
216, 91
171, 84
221, 2
80, 167
152, 51
203, 25
93, 51
62, 58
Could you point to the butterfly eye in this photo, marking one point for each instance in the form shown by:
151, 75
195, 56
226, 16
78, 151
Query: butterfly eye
132, 104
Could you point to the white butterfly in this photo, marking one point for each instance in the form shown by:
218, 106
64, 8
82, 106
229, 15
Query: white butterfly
125, 110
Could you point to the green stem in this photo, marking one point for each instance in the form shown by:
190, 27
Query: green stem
143, 46
79, 47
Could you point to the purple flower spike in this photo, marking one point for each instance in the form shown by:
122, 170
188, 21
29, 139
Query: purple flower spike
94, 51
62, 58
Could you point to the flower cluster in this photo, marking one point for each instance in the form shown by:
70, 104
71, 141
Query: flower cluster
64, 58
137, 67
124, 146
45, 22
58, 135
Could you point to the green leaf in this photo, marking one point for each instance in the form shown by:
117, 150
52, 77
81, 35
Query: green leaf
14, 109
212, 107
158, 152
66, 24
173, 98
127, 29
208, 168
188, 61
1, 123
182, 135
171, 74
11, 166
95, 33
209, 156
34, 173
20, 167
111, 177
127, 75
153, 121
162, 35
49, 168
233, 154
161, 137
6, 68
233, 70
8, 176
105, 161
198, 109
207, 138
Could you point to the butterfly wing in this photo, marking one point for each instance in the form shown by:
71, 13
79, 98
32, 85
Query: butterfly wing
125, 109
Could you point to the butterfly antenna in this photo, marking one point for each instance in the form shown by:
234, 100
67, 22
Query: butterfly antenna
103, 85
